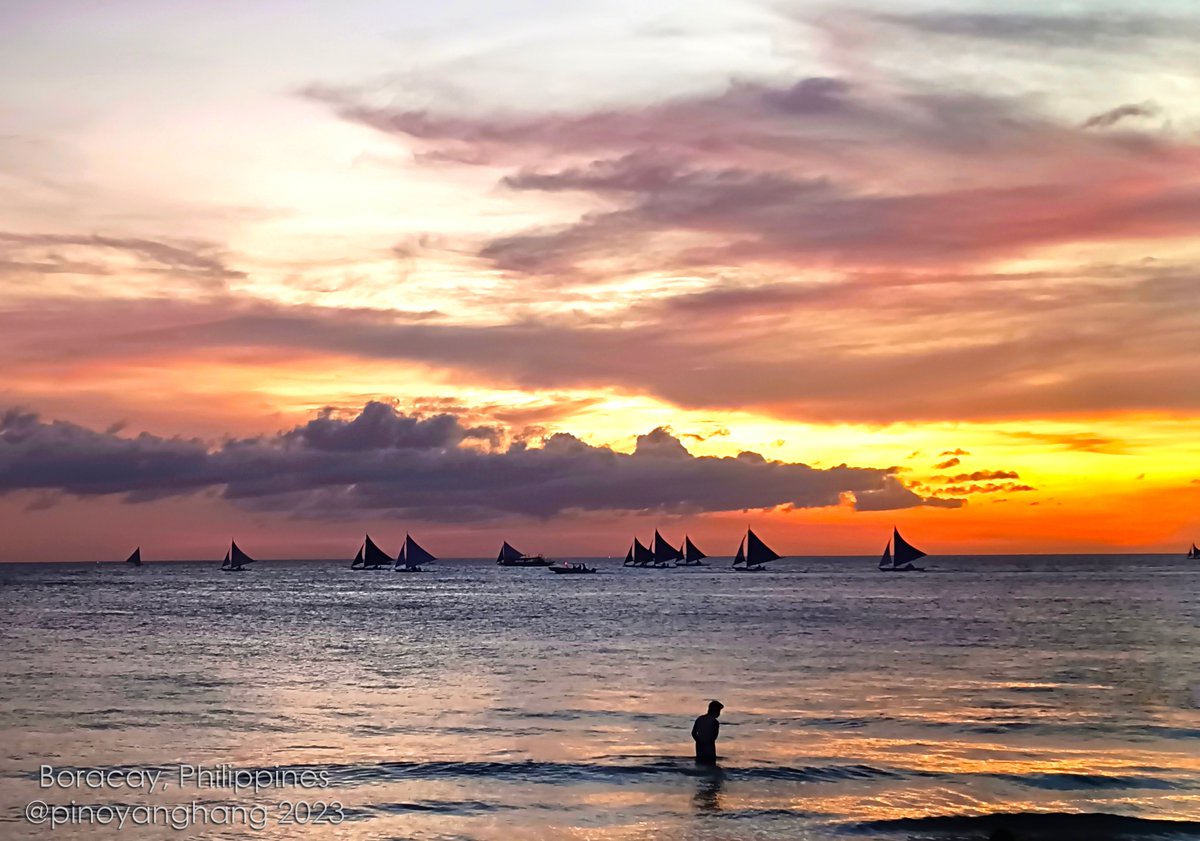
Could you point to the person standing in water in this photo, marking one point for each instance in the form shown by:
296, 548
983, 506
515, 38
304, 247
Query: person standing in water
704, 733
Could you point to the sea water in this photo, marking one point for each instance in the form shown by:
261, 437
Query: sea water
1054, 695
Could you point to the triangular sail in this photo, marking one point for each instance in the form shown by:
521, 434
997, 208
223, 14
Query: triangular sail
509, 553
664, 552
373, 556
906, 553
1195, 553
690, 553
740, 558
237, 557
225, 563
135, 557
357, 563
629, 557
758, 552
886, 560
400, 561
415, 554
641, 555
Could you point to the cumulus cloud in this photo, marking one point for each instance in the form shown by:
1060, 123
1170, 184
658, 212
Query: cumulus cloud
382, 460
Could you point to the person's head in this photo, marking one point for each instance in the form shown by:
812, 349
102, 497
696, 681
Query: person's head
714, 708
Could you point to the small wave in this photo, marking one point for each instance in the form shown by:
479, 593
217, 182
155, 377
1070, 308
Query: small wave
1076, 782
556, 773
1038, 826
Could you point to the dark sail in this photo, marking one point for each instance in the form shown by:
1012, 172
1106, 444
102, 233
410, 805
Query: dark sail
886, 560
225, 563
740, 558
238, 558
664, 553
373, 556
400, 562
357, 563
691, 554
135, 558
906, 553
629, 557
414, 554
641, 555
757, 552
1195, 553
508, 553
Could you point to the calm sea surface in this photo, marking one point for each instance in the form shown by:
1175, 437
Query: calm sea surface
475, 702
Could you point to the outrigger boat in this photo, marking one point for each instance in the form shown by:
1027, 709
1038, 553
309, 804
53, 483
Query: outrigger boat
510, 556
692, 557
371, 556
638, 555
906, 553
235, 559
665, 555
412, 556
752, 553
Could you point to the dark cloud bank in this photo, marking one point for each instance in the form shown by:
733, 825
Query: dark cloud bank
383, 460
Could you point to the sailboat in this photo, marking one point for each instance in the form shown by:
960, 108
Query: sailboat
638, 555
1193, 552
692, 557
906, 553
135, 559
411, 556
370, 556
235, 559
510, 556
664, 554
752, 553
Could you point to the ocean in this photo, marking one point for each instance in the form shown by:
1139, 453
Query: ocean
1057, 696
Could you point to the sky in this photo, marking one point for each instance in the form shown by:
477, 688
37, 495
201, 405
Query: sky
562, 273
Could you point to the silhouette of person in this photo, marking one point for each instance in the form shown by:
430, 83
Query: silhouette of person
704, 733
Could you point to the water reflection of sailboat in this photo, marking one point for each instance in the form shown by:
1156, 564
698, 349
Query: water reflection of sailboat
906, 553
135, 559
235, 559
1193, 552
692, 557
411, 556
370, 556
752, 553
510, 556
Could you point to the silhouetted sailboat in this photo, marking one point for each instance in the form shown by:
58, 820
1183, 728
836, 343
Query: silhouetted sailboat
235, 559
371, 556
665, 555
638, 555
512, 557
136, 558
752, 553
1193, 552
411, 556
906, 553
692, 556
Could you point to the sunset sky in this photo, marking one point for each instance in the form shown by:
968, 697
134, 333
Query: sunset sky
558, 273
